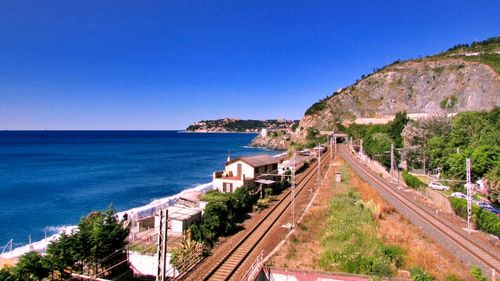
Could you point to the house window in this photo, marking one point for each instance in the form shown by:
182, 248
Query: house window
227, 187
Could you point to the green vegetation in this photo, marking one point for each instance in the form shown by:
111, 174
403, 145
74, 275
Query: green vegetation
317, 106
377, 139
445, 144
237, 125
314, 138
350, 243
225, 210
418, 274
488, 45
182, 258
477, 274
492, 60
448, 102
486, 48
97, 244
483, 219
412, 181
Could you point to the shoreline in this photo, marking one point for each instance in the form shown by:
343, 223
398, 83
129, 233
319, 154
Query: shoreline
41, 245
218, 132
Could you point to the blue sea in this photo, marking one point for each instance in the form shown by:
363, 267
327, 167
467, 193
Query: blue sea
50, 179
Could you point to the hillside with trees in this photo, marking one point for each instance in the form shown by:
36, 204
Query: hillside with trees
241, 126
463, 78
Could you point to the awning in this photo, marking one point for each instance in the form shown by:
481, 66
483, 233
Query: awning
265, 182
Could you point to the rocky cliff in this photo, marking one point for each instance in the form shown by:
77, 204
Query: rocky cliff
272, 142
454, 81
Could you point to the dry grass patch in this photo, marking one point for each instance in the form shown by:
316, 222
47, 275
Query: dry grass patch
421, 252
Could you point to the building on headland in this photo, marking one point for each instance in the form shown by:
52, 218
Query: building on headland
243, 171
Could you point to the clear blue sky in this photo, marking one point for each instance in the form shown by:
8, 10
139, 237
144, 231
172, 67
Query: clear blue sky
164, 64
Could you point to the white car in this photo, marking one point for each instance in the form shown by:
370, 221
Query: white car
458, 195
438, 186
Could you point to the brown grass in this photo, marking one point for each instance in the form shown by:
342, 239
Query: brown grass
303, 250
394, 229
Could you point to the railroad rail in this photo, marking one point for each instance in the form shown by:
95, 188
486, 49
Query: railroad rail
229, 264
487, 257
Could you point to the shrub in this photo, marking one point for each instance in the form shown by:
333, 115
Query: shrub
395, 254
412, 181
484, 220
418, 274
488, 222
477, 274
316, 107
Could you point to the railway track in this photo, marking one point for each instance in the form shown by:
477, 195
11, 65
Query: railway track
487, 257
227, 266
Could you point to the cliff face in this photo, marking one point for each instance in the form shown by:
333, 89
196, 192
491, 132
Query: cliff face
420, 87
276, 143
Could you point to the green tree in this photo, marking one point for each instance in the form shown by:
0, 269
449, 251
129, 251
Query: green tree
243, 200
484, 158
396, 126
101, 235
469, 128
63, 254
377, 146
437, 151
31, 266
6, 274
357, 131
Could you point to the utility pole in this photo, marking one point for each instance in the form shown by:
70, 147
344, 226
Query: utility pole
361, 147
292, 179
318, 181
392, 159
162, 247
335, 142
469, 194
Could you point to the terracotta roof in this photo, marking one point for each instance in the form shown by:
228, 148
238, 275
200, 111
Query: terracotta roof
256, 161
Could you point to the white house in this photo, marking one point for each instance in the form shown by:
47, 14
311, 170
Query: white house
179, 219
243, 171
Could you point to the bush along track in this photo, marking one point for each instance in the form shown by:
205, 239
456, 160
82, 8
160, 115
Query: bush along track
483, 219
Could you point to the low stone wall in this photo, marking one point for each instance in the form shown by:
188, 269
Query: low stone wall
438, 199
282, 274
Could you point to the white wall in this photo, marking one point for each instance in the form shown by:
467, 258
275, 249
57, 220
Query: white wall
246, 169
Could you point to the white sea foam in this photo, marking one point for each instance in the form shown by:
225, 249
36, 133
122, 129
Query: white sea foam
41, 246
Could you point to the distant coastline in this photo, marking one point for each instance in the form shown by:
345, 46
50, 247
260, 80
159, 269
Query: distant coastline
216, 132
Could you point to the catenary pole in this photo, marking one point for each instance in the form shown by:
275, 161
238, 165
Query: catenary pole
469, 194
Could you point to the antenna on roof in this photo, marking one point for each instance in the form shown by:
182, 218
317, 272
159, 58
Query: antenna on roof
228, 155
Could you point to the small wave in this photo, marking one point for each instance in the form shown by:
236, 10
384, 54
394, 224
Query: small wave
59, 229
41, 246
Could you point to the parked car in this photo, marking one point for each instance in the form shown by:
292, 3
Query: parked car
489, 208
483, 205
438, 186
458, 195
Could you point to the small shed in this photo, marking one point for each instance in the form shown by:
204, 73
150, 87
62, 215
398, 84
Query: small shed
180, 218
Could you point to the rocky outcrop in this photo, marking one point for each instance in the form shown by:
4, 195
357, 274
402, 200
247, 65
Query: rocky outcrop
424, 86
275, 143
